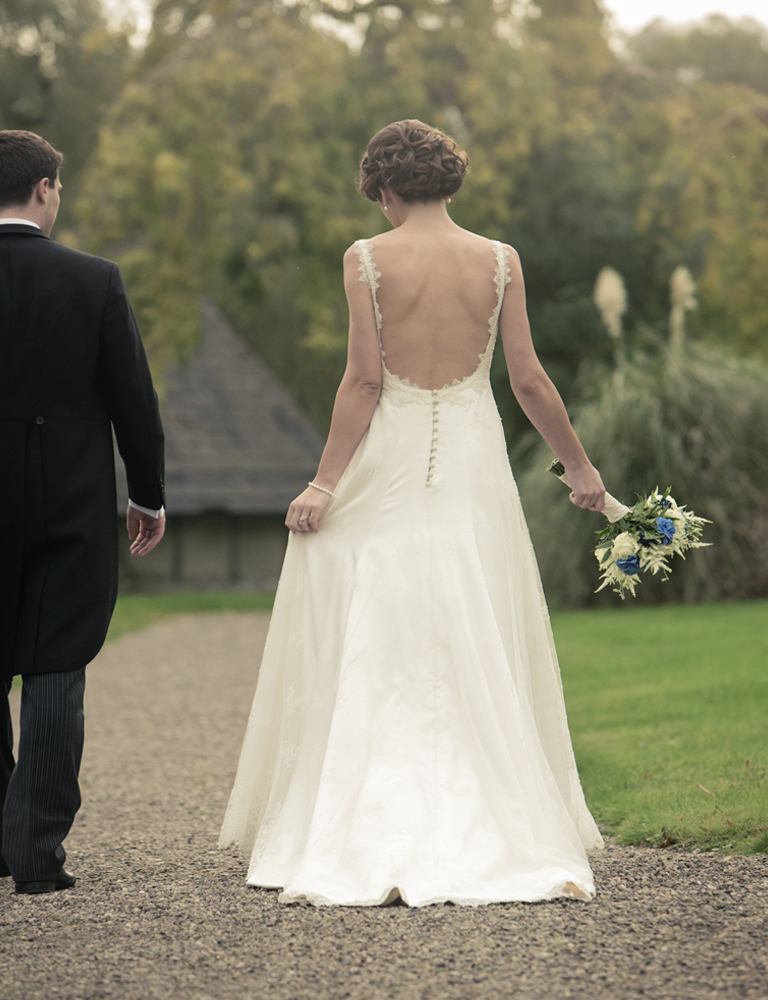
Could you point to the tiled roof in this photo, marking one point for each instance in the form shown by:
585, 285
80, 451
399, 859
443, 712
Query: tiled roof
235, 441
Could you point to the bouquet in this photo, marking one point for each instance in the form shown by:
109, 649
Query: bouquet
640, 538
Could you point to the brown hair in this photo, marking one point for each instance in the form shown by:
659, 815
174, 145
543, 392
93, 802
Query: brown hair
25, 159
414, 160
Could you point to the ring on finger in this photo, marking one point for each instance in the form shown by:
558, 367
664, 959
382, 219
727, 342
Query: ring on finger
303, 518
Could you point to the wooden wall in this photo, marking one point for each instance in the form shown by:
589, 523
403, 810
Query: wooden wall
209, 551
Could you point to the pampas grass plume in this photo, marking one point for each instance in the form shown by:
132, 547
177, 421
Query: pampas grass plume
682, 294
610, 297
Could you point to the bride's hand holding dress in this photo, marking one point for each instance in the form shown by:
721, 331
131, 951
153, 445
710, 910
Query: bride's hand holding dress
306, 511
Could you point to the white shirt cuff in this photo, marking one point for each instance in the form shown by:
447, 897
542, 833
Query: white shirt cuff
146, 510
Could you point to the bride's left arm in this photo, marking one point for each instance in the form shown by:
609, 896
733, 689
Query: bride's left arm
356, 400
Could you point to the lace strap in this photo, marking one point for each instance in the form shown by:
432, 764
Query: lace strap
501, 279
370, 275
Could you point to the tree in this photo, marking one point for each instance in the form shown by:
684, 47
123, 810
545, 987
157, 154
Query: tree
215, 174
703, 154
61, 67
576, 158
718, 50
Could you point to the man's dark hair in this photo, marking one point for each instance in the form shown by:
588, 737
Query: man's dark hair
25, 159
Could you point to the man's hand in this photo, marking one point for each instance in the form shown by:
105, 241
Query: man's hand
144, 530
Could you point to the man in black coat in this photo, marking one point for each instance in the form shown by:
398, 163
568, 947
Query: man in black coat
72, 367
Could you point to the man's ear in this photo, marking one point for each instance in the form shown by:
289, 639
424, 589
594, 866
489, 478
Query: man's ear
41, 190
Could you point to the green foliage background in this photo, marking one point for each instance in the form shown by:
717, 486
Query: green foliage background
220, 160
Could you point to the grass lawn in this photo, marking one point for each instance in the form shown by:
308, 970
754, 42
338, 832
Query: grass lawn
137, 611
668, 708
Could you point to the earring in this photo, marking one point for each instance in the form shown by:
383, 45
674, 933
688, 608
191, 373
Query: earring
385, 208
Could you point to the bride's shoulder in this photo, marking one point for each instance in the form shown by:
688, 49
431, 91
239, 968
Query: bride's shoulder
511, 255
483, 244
380, 239
507, 248
357, 246
361, 248
478, 247
388, 246
358, 254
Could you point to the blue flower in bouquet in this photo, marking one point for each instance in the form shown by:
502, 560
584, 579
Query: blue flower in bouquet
630, 565
666, 529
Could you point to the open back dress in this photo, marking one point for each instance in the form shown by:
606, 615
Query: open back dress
408, 734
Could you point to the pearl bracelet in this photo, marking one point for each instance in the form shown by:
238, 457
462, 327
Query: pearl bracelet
322, 489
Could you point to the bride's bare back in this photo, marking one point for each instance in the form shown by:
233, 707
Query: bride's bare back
429, 295
436, 296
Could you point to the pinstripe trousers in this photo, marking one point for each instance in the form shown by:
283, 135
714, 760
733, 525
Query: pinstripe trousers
41, 792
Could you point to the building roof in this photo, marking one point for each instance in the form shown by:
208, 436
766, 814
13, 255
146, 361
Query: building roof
235, 441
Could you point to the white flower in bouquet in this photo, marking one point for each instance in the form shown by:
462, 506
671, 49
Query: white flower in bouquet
624, 546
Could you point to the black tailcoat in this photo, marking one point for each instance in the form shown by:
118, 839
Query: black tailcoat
72, 366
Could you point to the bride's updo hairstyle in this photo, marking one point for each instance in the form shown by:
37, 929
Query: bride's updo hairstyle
413, 160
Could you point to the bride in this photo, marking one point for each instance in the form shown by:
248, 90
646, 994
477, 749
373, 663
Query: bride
408, 736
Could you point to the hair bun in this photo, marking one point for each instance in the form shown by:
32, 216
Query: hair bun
413, 160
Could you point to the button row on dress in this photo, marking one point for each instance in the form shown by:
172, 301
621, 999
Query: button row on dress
433, 446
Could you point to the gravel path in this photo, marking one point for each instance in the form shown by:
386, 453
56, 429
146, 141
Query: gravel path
159, 913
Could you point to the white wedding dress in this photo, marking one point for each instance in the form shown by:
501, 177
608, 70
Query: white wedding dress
408, 734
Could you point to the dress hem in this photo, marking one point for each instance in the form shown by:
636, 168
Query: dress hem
393, 892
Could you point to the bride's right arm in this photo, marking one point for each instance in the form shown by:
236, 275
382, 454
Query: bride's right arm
356, 400
539, 398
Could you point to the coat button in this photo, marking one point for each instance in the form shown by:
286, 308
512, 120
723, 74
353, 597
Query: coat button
39, 420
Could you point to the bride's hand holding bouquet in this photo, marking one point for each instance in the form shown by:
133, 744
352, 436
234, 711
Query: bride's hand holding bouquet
587, 488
